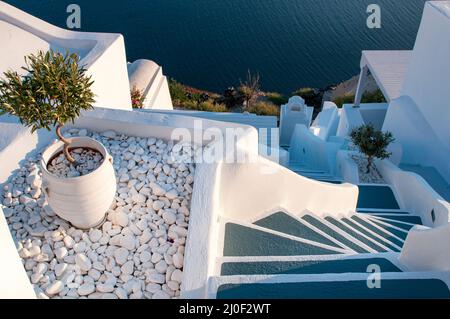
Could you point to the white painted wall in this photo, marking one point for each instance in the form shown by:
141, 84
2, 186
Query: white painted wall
148, 77
374, 113
311, 151
428, 77
419, 120
163, 100
415, 194
350, 118
426, 249
242, 192
416, 141
346, 167
103, 54
249, 119
293, 113
326, 122
248, 190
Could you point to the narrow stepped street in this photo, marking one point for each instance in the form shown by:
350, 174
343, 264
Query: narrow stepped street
303, 255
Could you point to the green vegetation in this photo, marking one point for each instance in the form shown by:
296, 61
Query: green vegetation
372, 143
192, 99
312, 97
264, 108
54, 91
177, 92
249, 97
369, 97
207, 106
276, 98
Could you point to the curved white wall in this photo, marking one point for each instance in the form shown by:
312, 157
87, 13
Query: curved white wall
428, 78
248, 190
426, 249
103, 54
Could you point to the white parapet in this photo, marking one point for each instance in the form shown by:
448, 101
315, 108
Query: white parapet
293, 113
148, 77
103, 54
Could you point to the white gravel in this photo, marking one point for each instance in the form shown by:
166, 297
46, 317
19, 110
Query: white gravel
86, 161
137, 253
374, 177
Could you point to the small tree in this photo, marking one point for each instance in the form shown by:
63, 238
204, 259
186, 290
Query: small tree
372, 143
250, 88
53, 91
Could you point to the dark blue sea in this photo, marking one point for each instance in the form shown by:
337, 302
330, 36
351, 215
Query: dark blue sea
211, 44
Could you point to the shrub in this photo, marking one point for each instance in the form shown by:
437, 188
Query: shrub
250, 89
312, 97
305, 92
137, 98
211, 106
177, 92
372, 143
368, 97
54, 91
231, 97
207, 106
276, 98
345, 99
264, 108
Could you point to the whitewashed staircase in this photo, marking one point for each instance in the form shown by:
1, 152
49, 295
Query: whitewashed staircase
302, 255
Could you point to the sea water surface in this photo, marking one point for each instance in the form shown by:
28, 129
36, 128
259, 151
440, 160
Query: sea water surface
211, 44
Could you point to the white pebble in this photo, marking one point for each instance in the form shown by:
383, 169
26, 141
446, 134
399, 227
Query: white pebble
83, 262
177, 275
121, 255
121, 293
95, 235
128, 268
178, 260
128, 242
120, 219
86, 289
54, 288
105, 288
157, 278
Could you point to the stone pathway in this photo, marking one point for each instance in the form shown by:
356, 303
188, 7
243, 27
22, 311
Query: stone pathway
137, 253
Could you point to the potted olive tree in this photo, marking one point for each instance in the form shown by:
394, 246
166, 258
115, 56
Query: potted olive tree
78, 176
371, 143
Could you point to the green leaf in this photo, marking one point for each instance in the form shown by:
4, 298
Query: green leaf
54, 90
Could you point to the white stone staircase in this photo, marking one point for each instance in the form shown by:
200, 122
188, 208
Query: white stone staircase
306, 255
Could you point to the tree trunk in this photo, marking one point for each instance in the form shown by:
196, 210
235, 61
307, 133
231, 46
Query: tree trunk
66, 144
369, 164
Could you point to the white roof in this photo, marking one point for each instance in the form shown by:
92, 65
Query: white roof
388, 69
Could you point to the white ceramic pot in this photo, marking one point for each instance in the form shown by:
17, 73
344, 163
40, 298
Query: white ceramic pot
83, 200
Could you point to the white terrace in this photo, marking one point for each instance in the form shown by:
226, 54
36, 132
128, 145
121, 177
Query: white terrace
301, 224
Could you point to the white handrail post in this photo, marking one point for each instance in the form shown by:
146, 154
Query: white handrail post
361, 85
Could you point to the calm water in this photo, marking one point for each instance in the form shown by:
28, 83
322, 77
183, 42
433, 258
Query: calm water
212, 43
